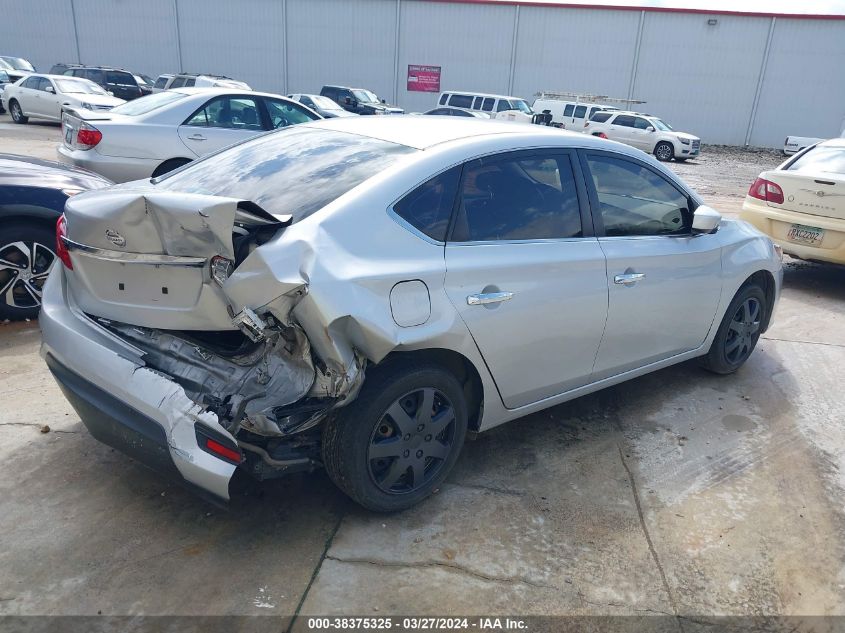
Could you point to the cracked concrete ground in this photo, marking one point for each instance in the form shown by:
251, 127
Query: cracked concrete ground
676, 493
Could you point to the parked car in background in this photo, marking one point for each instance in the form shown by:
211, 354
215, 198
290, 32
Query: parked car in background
16, 67
161, 82
801, 203
361, 293
570, 115
61, 67
192, 80
491, 104
32, 197
121, 83
5, 80
449, 111
48, 96
645, 132
323, 106
145, 83
359, 100
158, 133
795, 144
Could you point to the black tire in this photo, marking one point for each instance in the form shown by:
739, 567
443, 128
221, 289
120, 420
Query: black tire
16, 112
376, 460
664, 151
23, 284
739, 331
170, 165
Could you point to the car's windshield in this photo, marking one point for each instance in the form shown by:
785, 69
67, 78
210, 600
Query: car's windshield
5, 65
4, 77
522, 106
291, 172
365, 96
76, 86
661, 125
324, 102
820, 159
148, 103
18, 63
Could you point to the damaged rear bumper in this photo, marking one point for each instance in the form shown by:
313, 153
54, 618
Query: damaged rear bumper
125, 404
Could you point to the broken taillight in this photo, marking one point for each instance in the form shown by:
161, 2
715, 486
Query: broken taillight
221, 268
61, 249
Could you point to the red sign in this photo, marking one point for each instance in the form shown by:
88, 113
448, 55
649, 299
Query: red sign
423, 78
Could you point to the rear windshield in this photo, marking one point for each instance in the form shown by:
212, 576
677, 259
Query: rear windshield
148, 103
290, 172
825, 159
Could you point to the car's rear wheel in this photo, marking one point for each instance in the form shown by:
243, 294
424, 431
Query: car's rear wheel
664, 151
739, 331
16, 112
170, 165
396, 443
27, 254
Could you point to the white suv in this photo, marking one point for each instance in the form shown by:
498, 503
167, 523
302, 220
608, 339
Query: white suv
645, 132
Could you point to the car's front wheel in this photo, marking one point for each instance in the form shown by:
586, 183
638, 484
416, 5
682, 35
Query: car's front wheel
664, 151
16, 112
26, 257
396, 443
739, 331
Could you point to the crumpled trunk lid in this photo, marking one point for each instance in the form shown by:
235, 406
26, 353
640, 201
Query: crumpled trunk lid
143, 257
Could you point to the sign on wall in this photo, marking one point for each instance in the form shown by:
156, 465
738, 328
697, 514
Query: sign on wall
423, 78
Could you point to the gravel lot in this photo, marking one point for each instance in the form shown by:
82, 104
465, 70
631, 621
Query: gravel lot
677, 493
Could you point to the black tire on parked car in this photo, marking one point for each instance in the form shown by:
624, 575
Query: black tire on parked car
396, 443
170, 165
16, 112
739, 331
664, 151
27, 252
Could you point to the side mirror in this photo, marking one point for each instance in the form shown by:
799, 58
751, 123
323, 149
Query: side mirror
705, 220
383, 101
347, 101
650, 128
50, 89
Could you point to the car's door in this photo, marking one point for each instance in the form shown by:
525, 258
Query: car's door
27, 94
220, 122
280, 114
642, 134
526, 273
620, 129
664, 282
50, 101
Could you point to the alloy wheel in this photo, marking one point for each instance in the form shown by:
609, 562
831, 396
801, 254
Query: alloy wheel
16, 112
412, 441
743, 330
664, 152
24, 267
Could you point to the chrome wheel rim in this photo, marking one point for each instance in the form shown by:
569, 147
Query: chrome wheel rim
412, 441
24, 267
743, 331
664, 151
16, 111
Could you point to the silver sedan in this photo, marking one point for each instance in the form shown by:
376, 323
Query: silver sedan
158, 133
360, 293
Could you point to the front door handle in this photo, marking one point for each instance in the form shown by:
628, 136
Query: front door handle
489, 297
196, 137
628, 279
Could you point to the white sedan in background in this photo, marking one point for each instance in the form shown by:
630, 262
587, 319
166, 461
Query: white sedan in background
47, 96
153, 135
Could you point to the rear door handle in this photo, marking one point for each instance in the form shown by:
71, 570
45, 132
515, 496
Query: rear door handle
628, 279
196, 137
489, 297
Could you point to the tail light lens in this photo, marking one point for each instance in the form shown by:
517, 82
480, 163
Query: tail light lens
602, 135
767, 190
61, 250
88, 136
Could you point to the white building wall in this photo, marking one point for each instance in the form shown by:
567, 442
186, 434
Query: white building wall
698, 76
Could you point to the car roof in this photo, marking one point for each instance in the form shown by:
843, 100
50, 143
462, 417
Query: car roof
193, 90
479, 94
423, 132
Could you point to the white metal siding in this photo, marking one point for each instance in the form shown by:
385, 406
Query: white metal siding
38, 30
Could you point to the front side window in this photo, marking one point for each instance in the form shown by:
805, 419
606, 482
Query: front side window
178, 82
365, 96
237, 113
461, 101
429, 207
580, 112
820, 159
568, 110
96, 75
284, 113
443, 98
295, 171
518, 197
633, 200
161, 82
43, 84
503, 105
641, 124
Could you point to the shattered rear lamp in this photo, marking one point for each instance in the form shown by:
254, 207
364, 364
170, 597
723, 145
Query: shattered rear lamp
221, 268
61, 249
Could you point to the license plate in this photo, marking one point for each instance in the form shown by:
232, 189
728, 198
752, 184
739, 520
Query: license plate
805, 234
68, 135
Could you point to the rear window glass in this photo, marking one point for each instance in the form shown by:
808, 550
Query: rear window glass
148, 103
296, 171
821, 159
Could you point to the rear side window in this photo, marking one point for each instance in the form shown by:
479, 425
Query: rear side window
31, 82
634, 200
487, 106
160, 82
429, 207
518, 197
96, 75
461, 101
443, 98
580, 112
296, 171
178, 82
625, 120
476, 104
190, 82
567, 111
600, 117
820, 159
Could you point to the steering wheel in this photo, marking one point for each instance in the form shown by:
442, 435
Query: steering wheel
280, 121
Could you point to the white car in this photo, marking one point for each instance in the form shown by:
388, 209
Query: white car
569, 115
645, 132
794, 144
47, 96
156, 134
